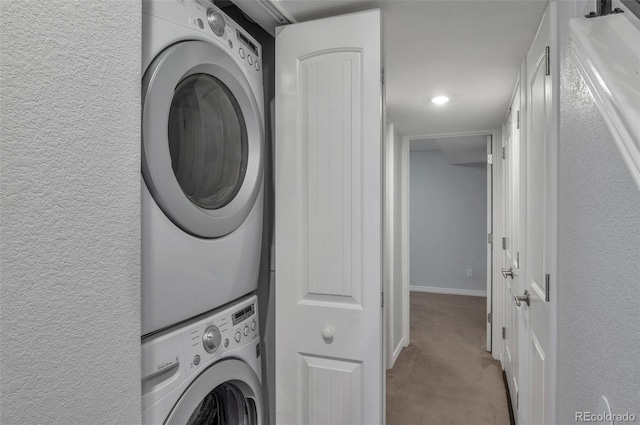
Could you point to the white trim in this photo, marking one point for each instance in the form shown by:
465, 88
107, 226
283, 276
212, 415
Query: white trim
451, 291
489, 246
445, 135
389, 244
269, 14
553, 212
396, 352
609, 86
406, 250
497, 296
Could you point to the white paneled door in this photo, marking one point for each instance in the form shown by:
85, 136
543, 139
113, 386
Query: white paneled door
512, 247
540, 220
328, 181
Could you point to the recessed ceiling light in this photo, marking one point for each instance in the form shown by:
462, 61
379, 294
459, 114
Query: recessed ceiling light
439, 100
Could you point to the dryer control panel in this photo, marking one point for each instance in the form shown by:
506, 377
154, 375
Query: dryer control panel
211, 20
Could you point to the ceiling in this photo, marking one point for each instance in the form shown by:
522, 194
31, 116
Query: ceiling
469, 51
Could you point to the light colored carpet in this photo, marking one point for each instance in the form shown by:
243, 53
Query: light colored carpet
446, 376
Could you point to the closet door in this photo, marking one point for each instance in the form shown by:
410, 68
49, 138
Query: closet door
328, 178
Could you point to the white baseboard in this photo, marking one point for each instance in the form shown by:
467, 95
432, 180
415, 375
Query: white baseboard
396, 352
452, 291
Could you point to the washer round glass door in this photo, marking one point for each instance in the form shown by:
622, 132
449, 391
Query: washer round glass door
227, 393
202, 138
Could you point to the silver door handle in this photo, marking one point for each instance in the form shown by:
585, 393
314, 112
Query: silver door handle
509, 272
526, 298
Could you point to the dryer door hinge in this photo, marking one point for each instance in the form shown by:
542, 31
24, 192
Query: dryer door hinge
488, 317
504, 333
504, 152
490, 159
382, 75
518, 120
504, 243
490, 238
382, 298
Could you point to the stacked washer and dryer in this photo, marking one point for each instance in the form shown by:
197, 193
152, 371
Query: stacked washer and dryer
202, 215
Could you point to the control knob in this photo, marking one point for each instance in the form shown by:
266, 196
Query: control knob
211, 339
216, 22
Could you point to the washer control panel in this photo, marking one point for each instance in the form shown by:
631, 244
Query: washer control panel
211, 20
171, 356
221, 333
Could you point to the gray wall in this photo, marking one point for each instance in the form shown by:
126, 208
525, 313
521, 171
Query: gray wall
599, 256
69, 210
448, 222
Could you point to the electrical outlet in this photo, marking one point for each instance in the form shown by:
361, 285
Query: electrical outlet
469, 273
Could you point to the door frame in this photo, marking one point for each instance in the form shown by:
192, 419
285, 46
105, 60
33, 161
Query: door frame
406, 260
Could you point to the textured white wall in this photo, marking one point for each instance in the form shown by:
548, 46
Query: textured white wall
598, 256
448, 218
69, 210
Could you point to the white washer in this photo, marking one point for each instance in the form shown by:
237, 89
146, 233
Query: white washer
202, 161
206, 371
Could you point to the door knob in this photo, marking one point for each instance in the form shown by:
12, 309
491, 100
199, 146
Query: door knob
327, 335
526, 298
508, 272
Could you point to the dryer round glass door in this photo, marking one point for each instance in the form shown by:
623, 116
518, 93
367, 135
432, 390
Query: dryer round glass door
226, 393
202, 138
207, 141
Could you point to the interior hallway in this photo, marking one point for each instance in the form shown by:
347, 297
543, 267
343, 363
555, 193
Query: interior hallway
446, 376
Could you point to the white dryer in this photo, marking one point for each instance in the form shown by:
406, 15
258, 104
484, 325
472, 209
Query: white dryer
206, 371
202, 161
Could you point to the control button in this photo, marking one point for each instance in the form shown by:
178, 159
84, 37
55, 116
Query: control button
253, 324
231, 44
196, 360
250, 59
241, 51
211, 338
238, 336
246, 330
226, 342
200, 24
257, 66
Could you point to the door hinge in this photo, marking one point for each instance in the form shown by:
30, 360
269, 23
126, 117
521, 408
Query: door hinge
490, 238
547, 61
547, 282
382, 298
504, 152
489, 317
382, 75
504, 243
490, 158
504, 333
518, 120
